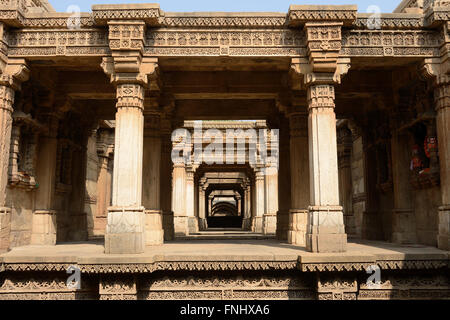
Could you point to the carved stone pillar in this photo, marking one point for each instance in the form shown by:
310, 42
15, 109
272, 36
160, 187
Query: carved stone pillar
14, 73
154, 234
325, 220
403, 218
190, 201
166, 180
271, 199
284, 183
246, 221
126, 221
442, 98
344, 146
299, 160
203, 223
257, 222
105, 153
43, 230
180, 218
6, 109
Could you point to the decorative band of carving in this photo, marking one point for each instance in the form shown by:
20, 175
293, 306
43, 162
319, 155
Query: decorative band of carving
321, 96
189, 266
130, 96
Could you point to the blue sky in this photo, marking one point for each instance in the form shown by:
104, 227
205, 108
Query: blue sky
227, 5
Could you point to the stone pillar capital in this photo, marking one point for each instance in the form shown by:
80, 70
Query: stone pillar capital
321, 97
14, 73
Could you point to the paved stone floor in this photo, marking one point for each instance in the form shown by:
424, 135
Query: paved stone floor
221, 250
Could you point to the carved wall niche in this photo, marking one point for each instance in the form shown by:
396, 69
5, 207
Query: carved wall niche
24, 144
416, 115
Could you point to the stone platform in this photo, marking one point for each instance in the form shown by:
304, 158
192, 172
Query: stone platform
233, 269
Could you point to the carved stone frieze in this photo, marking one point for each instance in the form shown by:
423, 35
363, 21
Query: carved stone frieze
28, 42
390, 43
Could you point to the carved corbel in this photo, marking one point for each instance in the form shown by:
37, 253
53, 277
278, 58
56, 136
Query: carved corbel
15, 73
305, 71
145, 71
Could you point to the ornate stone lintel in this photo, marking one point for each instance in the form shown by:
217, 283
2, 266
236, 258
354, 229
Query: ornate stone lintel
299, 14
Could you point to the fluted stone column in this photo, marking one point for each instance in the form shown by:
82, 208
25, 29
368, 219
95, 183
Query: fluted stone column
271, 199
403, 218
166, 179
284, 183
125, 231
154, 234
300, 180
43, 230
442, 98
257, 222
104, 181
203, 224
325, 218
345, 143
190, 201
180, 218
247, 220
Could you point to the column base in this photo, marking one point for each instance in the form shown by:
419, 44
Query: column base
247, 224
202, 224
326, 231
154, 233
5, 228
169, 233
443, 238
193, 225
282, 225
402, 226
298, 223
43, 229
181, 226
257, 224
270, 223
125, 231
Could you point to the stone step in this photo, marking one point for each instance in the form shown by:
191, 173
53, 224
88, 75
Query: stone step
219, 234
